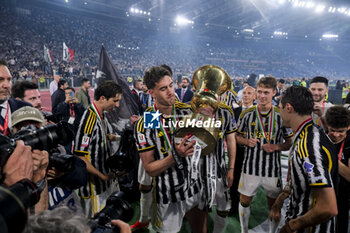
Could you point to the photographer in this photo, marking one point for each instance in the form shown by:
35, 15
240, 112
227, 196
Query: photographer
64, 176
19, 176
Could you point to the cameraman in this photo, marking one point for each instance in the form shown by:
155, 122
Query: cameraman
61, 183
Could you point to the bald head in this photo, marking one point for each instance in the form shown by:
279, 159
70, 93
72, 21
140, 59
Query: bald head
248, 96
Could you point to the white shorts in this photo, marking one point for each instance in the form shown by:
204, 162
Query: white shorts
249, 184
168, 217
96, 203
143, 176
222, 196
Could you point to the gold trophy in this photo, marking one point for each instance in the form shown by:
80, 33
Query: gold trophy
209, 82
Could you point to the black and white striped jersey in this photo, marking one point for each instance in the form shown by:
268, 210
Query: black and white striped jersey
174, 184
89, 143
257, 162
230, 98
313, 165
228, 126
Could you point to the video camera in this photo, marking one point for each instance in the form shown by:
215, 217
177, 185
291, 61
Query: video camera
45, 138
117, 207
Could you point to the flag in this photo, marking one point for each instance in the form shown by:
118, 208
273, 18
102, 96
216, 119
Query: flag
47, 55
68, 54
108, 71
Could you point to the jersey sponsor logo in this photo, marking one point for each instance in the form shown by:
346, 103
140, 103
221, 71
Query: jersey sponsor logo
152, 120
142, 139
85, 141
308, 167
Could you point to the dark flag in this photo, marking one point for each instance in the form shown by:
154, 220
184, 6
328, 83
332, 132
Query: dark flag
128, 106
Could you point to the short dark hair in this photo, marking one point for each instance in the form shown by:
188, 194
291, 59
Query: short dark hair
338, 117
70, 88
300, 98
281, 81
61, 82
136, 81
20, 86
84, 80
319, 79
108, 89
153, 75
168, 68
268, 82
188, 80
3, 62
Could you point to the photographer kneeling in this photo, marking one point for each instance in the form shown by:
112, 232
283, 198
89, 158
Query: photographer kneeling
65, 172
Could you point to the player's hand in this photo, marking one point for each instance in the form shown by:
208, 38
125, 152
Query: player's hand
269, 148
318, 108
229, 178
133, 119
184, 150
286, 229
275, 213
123, 227
109, 176
251, 142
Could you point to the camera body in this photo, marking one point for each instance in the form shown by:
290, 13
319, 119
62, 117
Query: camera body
44, 138
117, 207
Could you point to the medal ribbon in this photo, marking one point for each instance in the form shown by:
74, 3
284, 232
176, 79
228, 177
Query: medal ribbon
261, 124
104, 138
301, 126
164, 130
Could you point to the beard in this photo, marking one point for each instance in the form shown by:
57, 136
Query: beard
2, 98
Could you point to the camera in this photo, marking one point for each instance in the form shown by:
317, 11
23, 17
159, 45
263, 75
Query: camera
44, 138
14, 202
117, 207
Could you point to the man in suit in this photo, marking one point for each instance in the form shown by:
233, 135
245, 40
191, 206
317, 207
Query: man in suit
184, 93
7, 104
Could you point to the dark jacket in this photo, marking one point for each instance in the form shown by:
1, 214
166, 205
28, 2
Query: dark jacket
64, 110
57, 97
187, 96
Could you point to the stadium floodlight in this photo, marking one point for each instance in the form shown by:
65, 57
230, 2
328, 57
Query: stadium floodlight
182, 21
132, 10
144, 12
341, 10
310, 4
66, 1
320, 8
329, 36
248, 30
141, 12
281, 2
149, 13
137, 11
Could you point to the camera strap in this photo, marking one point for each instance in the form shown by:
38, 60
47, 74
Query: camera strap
4, 129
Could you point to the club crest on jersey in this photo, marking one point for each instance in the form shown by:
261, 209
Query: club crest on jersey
85, 141
308, 167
